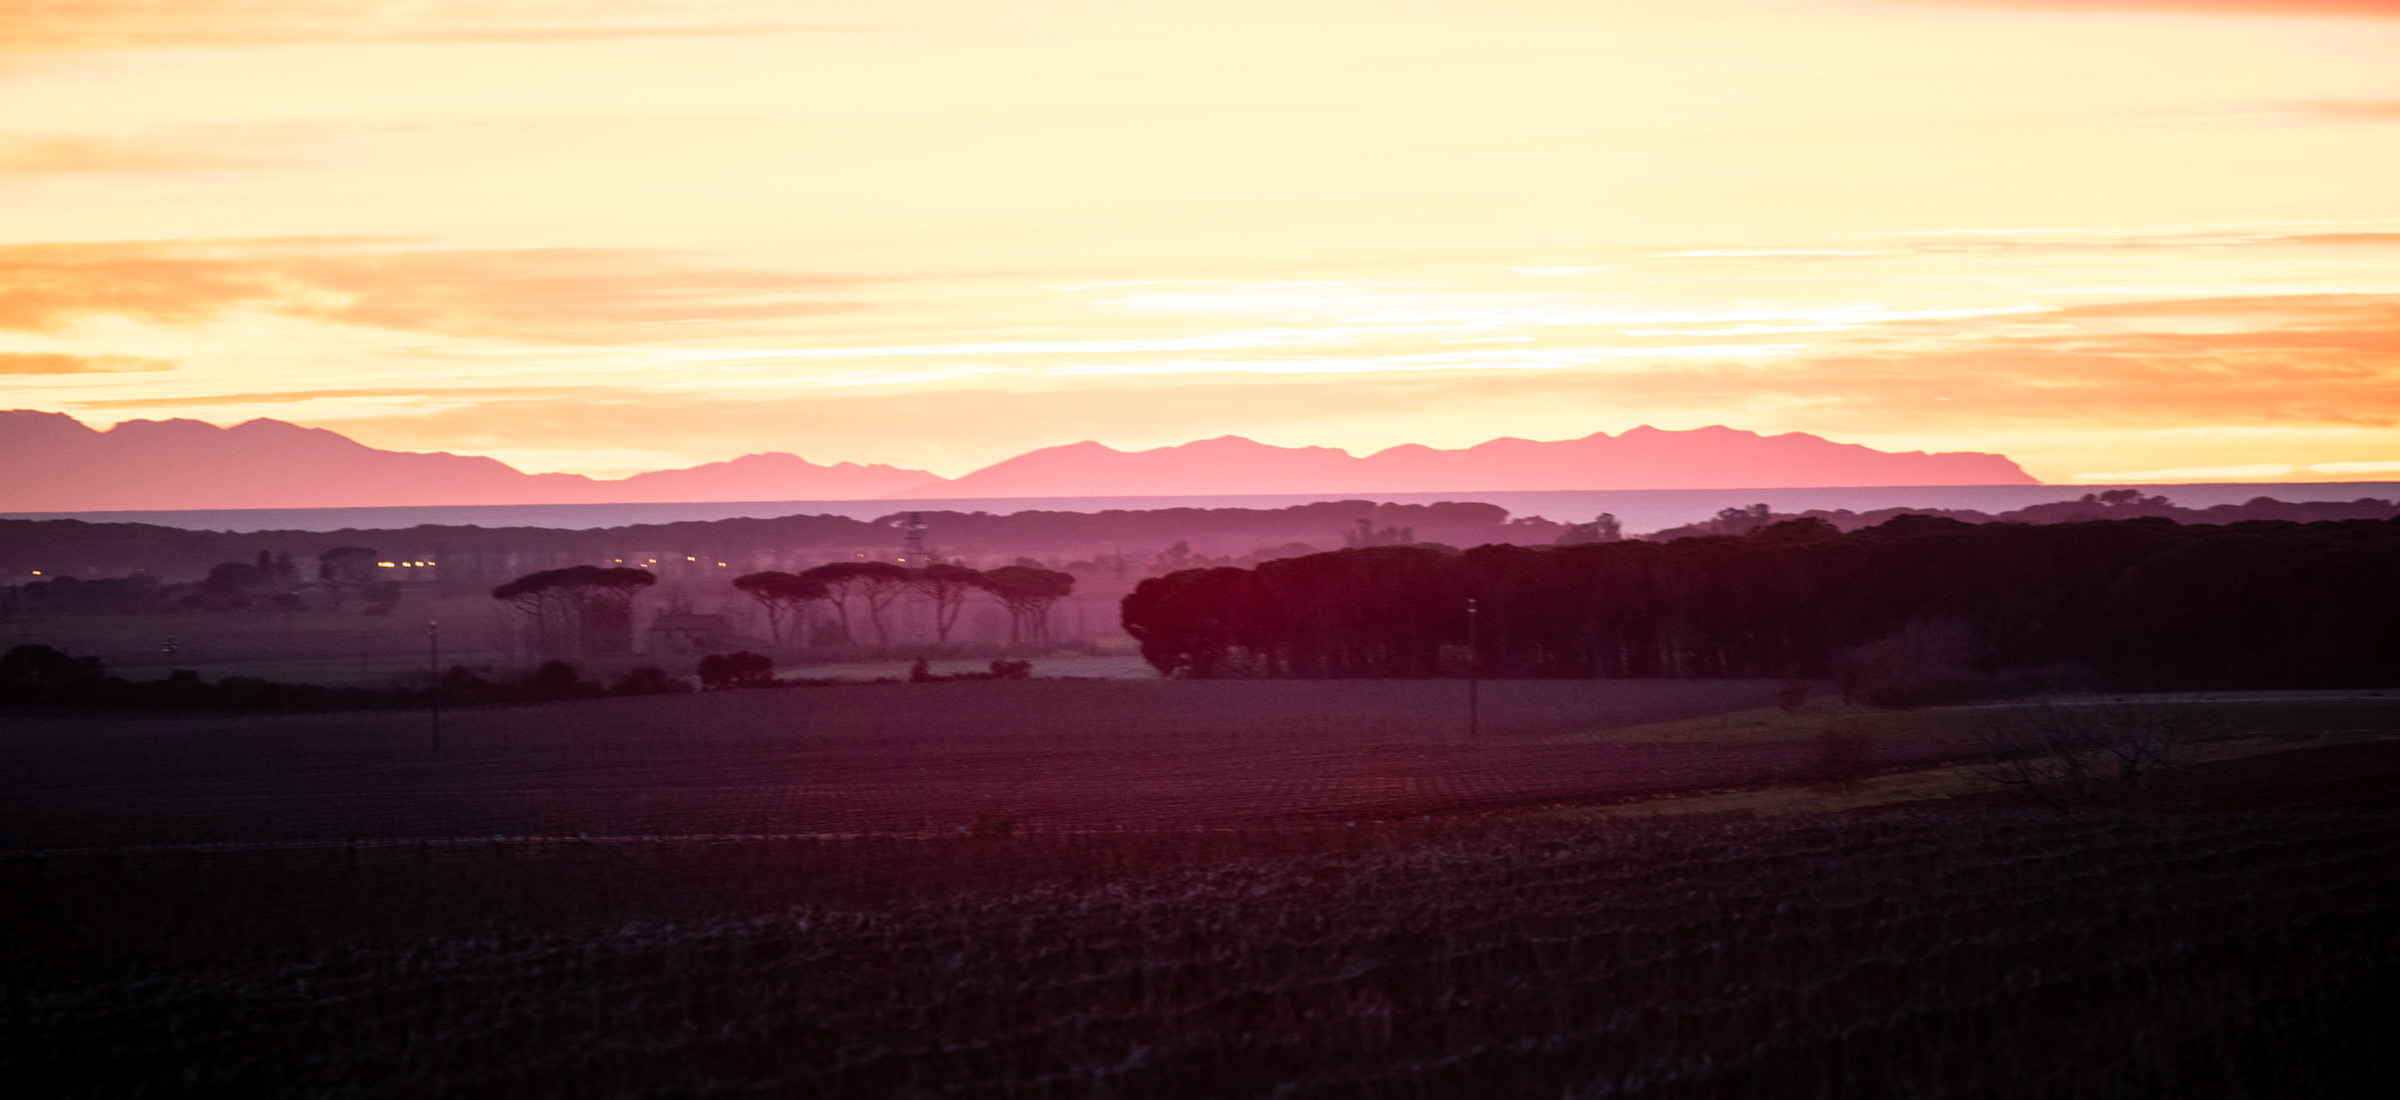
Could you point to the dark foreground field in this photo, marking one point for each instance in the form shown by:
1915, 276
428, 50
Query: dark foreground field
869, 758
1230, 890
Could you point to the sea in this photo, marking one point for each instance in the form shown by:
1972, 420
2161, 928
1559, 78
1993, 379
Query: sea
1639, 510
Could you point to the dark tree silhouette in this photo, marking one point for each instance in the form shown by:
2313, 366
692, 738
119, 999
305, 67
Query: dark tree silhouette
1916, 609
590, 604
1187, 622
1028, 592
102, 595
346, 570
877, 583
33, 669
1603, 528
346, 565
782, 594
947, 586
543, 606
234, 578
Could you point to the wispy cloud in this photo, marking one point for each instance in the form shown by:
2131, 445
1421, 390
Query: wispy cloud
1420, 309
30, 153
556, 294
293, 397
1507, 359
1216, 341
2106, 240
2358, 240
2353, 8
27, 362
64, 25
2258, 472
2312, 377
2301, 359
2380, 110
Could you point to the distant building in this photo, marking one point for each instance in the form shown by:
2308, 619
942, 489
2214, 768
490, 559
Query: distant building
683, 632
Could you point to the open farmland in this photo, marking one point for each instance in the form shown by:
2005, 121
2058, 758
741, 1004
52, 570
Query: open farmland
916, 759
2007, 954
871, 758
1173, 888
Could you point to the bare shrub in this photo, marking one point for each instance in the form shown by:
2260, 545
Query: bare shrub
1932, 662
2092, 752
646, 680
743, 669
1920, 664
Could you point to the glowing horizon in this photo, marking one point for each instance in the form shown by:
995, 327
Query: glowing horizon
2106, 239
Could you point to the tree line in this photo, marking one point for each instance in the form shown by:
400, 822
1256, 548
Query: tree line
2106, 504
1026, 590
2142, 603
473, 557
268, 582
589, 608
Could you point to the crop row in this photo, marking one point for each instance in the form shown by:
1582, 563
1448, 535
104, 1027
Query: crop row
1882, 956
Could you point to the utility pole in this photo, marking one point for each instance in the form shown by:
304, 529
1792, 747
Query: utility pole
912, 544
433, 699
915, 555
1474, 675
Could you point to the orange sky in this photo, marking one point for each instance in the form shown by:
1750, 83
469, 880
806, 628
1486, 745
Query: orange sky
2144, 240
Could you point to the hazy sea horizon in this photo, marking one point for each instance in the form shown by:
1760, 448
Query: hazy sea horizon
1640, 510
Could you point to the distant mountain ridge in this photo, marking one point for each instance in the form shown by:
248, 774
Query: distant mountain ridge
1642, 458
54, 463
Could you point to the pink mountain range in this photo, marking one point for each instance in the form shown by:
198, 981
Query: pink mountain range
1643, 458
54, 463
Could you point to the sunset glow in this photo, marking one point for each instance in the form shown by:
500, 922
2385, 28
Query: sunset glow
2139, 241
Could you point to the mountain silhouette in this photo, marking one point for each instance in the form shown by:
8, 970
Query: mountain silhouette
1642, 458
57, 464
